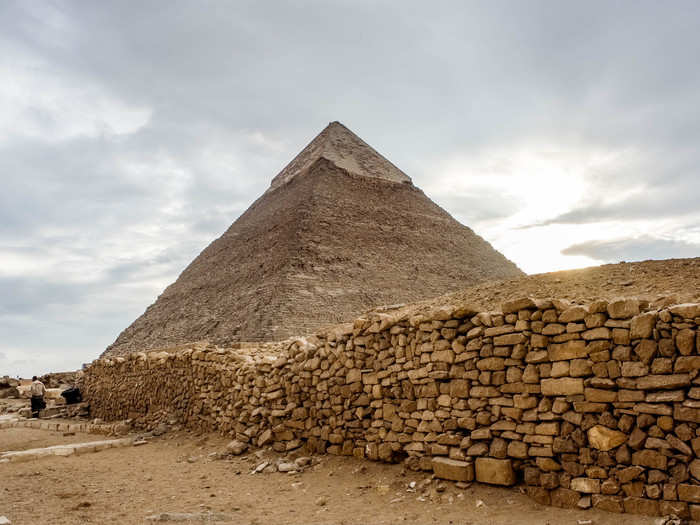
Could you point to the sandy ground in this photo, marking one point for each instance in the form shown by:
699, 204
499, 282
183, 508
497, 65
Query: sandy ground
26, 438
181, 472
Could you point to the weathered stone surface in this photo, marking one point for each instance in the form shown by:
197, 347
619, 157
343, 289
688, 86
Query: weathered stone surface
586, 485
607, 503
603, 438
623, 308
687, 364
647, 507
685, 341
687, 311
642, 326
659, 382
649, 458
689, 493
236, 447
565, 498
518, 304
495, 471
562, 387
453, 470
570, 350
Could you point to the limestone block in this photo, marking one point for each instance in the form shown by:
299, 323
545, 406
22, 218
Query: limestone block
586, 485
689, 493
642, 326
687, 310
663, 382
495, 471
687, 364
604, 438
451, 469
573, 349
562, 387
685, 341
623, 308
524, 303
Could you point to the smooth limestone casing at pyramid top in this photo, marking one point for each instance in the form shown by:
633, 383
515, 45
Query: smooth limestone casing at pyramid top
340, 230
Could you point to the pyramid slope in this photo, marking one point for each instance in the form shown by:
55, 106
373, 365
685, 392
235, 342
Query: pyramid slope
322, 247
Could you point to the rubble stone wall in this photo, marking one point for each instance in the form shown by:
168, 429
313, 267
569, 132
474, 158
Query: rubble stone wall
595, 405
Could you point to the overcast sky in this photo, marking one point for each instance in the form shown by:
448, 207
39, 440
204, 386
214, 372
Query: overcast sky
133, 133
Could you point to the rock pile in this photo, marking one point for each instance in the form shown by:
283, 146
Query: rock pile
587, 405
8, 387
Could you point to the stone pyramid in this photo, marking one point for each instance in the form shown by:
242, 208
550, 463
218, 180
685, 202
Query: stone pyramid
339, 231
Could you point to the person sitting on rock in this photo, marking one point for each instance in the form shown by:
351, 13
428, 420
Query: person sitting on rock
38, 390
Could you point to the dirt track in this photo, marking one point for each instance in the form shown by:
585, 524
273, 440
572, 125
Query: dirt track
176, 474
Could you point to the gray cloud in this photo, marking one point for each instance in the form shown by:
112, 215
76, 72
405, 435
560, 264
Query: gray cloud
132, 134
637, 249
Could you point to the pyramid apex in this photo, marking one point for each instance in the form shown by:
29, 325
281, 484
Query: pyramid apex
338, 144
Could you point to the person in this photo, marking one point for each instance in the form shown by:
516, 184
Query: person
38, 390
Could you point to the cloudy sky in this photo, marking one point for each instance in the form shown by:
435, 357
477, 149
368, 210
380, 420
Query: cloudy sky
133, 133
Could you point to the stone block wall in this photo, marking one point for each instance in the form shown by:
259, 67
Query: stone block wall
586, 405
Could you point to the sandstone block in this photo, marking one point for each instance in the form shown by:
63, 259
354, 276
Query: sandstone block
509, 339
354, 375
687, 310
649, 458
491, 363
675, 508
597, 395
646, 350
265, 438
454, 470
597, 333
689, 493
495, 471
607, 503
647, 507
524, 303
685, 341
517, 449
565, 498
573, 349
586, 485
686, 414
573, 314
663, 382
642, 326
604, 438
623, 308
687, 364
562, 387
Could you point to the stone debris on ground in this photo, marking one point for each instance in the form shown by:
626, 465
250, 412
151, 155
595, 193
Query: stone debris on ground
189, 517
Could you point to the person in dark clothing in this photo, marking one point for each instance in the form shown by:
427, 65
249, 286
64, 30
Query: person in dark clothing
38, 390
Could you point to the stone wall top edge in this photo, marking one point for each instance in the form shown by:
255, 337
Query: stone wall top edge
385, 318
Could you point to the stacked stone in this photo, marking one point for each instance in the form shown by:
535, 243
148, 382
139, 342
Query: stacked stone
595, 405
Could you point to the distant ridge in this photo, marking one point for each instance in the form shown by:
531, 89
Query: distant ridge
339, 231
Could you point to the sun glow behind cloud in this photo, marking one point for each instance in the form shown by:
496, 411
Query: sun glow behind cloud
527, 185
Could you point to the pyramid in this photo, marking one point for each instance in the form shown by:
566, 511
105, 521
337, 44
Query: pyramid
340, 230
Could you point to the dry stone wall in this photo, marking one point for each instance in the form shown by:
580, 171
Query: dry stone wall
595, 405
